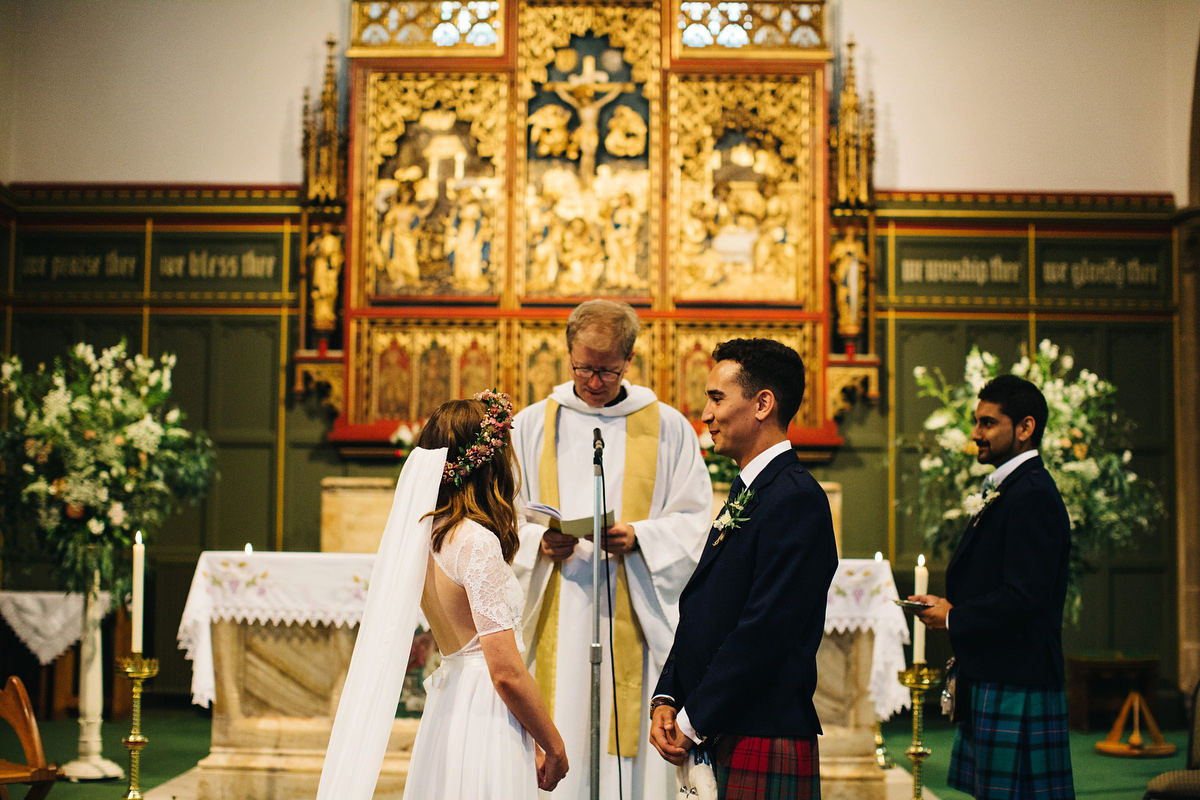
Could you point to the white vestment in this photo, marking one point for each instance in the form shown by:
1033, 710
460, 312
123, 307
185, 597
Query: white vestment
669, 545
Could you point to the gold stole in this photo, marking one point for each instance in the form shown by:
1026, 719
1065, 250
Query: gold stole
641, 459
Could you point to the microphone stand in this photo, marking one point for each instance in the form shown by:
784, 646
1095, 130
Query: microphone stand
597, 539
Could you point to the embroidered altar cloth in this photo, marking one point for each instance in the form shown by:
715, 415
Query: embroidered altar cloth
862, 598
47, 622
280, 588
331, 588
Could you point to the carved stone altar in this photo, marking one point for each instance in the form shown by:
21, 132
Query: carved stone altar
860, 655
271, 635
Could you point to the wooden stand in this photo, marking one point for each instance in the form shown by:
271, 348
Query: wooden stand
1136, 747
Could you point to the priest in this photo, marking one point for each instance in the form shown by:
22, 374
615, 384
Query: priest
657, 486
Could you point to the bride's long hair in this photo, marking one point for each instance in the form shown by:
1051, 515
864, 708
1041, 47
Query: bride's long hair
486, 494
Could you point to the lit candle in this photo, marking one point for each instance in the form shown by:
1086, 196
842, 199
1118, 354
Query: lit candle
878, 556
920, 586
139, 580
249, 549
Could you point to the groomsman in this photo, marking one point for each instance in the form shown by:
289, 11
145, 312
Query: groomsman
740, 677
1005, 588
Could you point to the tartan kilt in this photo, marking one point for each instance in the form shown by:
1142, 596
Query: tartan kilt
1013, 744
756, 768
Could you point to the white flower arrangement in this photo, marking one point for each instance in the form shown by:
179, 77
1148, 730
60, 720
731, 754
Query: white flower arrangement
1085, 448
93, 452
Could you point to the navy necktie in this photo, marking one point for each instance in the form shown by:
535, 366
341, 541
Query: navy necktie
735, 489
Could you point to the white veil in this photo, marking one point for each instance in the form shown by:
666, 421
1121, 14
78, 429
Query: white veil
367, 707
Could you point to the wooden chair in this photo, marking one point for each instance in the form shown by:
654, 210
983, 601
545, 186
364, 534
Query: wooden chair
1179, 784
16, 710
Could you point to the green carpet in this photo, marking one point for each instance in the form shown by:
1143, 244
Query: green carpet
1097, 777
179, 737
178, 734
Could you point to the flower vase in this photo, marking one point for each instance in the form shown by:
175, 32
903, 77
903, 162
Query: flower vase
91, 765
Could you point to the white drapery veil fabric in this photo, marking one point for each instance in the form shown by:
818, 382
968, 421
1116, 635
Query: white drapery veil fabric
375, 678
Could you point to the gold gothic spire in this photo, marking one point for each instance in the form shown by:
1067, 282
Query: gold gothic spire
323, 150
852, 141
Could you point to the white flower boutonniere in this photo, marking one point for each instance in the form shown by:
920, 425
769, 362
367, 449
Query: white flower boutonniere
975, 503
731, 515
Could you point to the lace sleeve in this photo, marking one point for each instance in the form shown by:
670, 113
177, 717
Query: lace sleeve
492, 588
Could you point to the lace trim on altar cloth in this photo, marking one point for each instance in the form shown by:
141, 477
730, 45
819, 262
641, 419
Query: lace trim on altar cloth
47, 622
862, 598
267, 588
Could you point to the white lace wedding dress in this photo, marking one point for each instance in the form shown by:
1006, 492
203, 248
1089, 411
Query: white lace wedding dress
469, 745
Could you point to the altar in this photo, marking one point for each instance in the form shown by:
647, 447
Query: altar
270, 637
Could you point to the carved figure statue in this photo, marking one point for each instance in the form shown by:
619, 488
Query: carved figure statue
773, 253
545, 237
325, 272
621, 242
399, 233
548, 131
580, 258
468, 240
626, 135
848, 257
583, 93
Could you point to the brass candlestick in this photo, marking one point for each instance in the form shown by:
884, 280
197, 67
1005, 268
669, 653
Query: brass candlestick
882, 757
137, 669
919, 679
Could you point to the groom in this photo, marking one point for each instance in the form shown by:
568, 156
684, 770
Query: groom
742, 670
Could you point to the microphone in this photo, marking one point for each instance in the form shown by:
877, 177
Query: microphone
597, 441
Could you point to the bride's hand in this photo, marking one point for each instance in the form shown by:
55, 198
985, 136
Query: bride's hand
551, 767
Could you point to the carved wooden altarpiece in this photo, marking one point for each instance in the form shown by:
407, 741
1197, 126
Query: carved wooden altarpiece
509, 159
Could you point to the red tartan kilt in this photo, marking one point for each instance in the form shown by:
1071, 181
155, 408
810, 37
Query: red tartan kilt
756, 768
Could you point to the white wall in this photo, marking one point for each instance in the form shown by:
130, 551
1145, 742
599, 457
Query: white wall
167, 90
1055, 95
8, 30
1078, 95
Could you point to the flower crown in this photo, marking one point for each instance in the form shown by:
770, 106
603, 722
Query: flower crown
497, 419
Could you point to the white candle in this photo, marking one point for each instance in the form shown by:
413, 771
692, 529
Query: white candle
920, 586
878, 556
249, 548
139, 580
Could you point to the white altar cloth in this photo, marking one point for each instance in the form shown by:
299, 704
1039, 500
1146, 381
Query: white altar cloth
281, 588
47, 622
331, 588
862, 598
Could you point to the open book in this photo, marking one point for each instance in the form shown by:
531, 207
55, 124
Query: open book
551, 517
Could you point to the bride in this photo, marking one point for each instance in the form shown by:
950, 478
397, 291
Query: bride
450, 539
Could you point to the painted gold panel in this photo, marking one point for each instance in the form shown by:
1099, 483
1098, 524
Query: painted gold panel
415, 366
742, 216
589, 108
433, 186
544, 363
694, 343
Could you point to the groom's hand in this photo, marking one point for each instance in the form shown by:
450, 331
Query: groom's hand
666, 737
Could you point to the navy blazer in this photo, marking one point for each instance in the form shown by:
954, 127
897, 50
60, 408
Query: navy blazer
1007, 581
752, 615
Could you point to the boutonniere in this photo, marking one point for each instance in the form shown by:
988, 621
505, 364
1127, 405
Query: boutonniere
975, 503
731, 515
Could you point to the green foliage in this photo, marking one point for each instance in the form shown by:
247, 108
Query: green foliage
93, 452
1085, 448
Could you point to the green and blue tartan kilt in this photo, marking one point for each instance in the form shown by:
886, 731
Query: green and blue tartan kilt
1014, 744
756, 768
